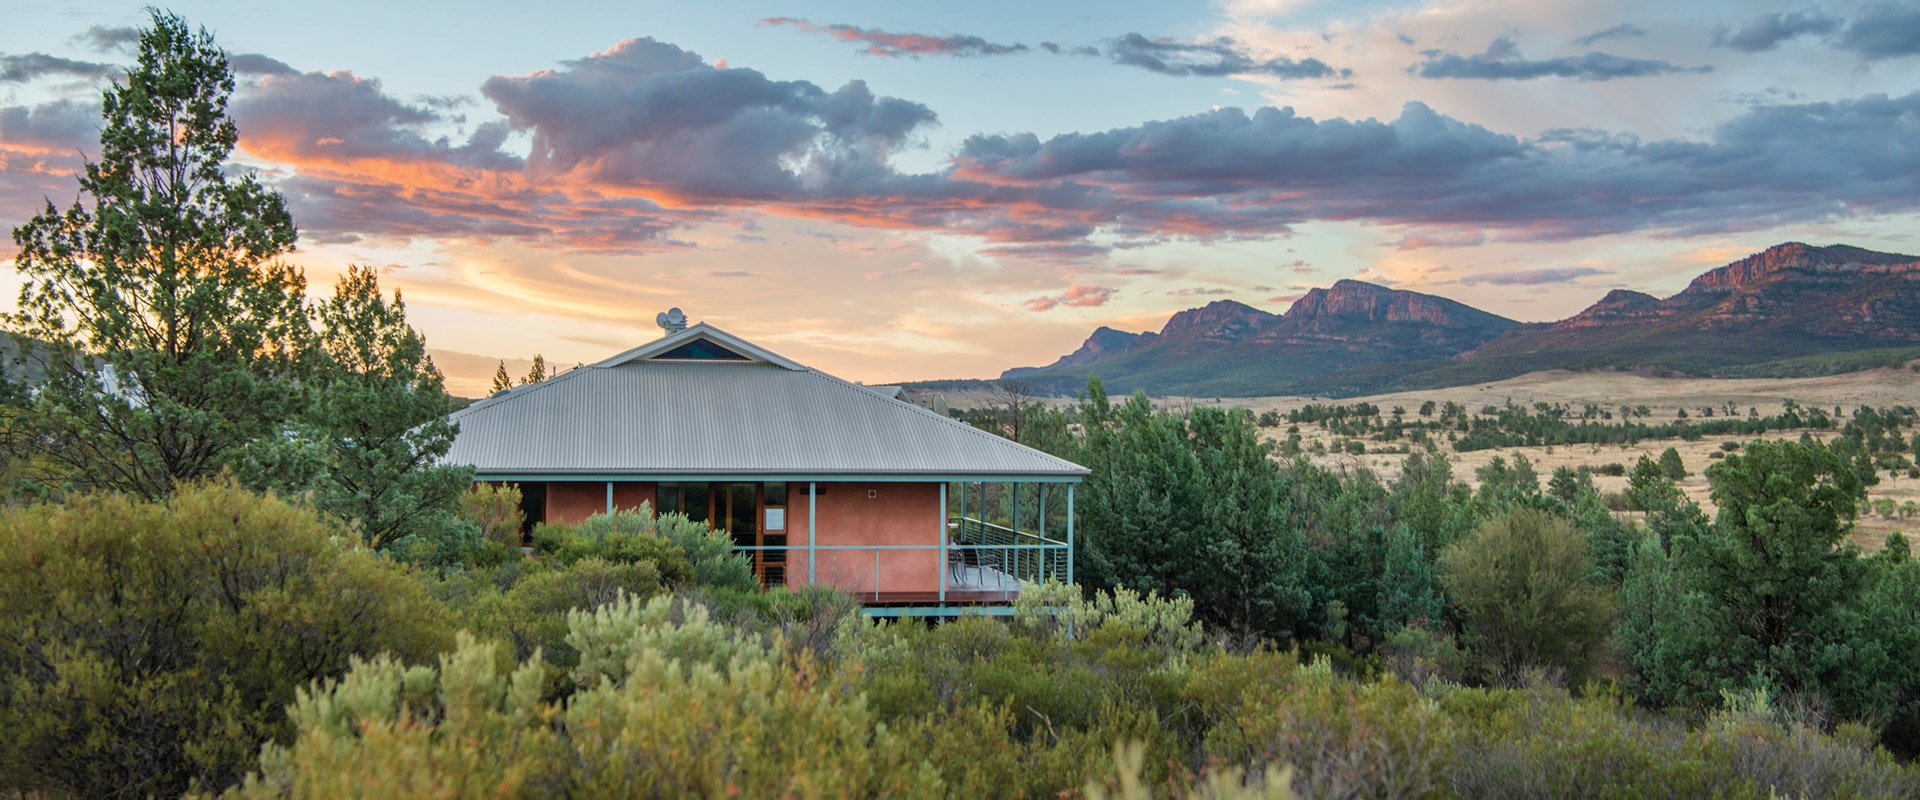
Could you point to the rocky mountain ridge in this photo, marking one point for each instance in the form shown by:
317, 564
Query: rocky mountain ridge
1789, 303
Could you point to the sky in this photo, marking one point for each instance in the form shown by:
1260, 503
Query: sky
901, 191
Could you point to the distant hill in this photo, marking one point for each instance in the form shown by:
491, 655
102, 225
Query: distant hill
1792, 309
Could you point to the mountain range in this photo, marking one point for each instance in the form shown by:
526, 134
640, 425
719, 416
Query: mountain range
1791, 309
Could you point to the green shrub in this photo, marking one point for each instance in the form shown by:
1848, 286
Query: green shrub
686, 552
1522, 585
540, 603
149, 646
495, 510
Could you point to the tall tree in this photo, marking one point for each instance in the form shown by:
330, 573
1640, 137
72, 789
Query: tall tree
1771, 596
539, 371
501, 381
379, 408
172, 318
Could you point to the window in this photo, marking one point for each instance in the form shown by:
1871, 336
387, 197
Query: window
690, 499
701, 350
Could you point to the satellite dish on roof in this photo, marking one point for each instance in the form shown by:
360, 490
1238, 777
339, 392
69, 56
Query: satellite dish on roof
671, 321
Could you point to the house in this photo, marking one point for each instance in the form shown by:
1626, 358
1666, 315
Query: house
818, 480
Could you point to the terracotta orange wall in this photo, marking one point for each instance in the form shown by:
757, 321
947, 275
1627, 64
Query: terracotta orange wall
631, 495
575, 501
897, 514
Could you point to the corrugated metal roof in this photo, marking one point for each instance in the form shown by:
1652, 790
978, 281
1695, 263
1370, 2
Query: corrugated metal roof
632, 416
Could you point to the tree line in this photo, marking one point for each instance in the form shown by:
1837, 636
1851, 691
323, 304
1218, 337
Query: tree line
1490, 585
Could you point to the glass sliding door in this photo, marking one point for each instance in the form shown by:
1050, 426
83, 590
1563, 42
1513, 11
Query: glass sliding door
735, 509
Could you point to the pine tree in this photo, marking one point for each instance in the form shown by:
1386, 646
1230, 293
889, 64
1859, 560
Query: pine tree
539, 371
1649, 488
1770, 595
174, 322
1570, 484
379, 412
1671, 464
501, 381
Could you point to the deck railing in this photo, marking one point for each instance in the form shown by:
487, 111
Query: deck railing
1022, 556
983, 561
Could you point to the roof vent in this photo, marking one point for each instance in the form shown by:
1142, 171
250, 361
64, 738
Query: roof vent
671, 321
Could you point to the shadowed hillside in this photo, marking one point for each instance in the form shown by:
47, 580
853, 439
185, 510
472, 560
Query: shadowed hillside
1793, 309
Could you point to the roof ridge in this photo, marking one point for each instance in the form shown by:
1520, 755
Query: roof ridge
993, 437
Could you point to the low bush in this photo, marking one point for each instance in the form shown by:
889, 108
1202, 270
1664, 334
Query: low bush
685, 552
149, 647
1121, 696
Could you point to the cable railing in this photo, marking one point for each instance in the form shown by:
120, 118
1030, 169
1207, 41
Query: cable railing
980, 560
1021, 556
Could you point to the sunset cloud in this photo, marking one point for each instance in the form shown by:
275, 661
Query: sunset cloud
1076, 296
628, 146
875, 224
890, 44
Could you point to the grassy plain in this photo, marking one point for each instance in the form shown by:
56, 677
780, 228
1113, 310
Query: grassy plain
1664, 397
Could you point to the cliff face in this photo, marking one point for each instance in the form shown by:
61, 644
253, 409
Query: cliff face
1772, 263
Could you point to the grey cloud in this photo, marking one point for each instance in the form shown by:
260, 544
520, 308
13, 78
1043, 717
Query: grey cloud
1766, 31
1533, 277
60, 126
1225, 171
1502, 61
1884, 31
108, 38
650, 113
40, 146
1624, 30
341, 116
259, 64
1219, 57
29, 66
